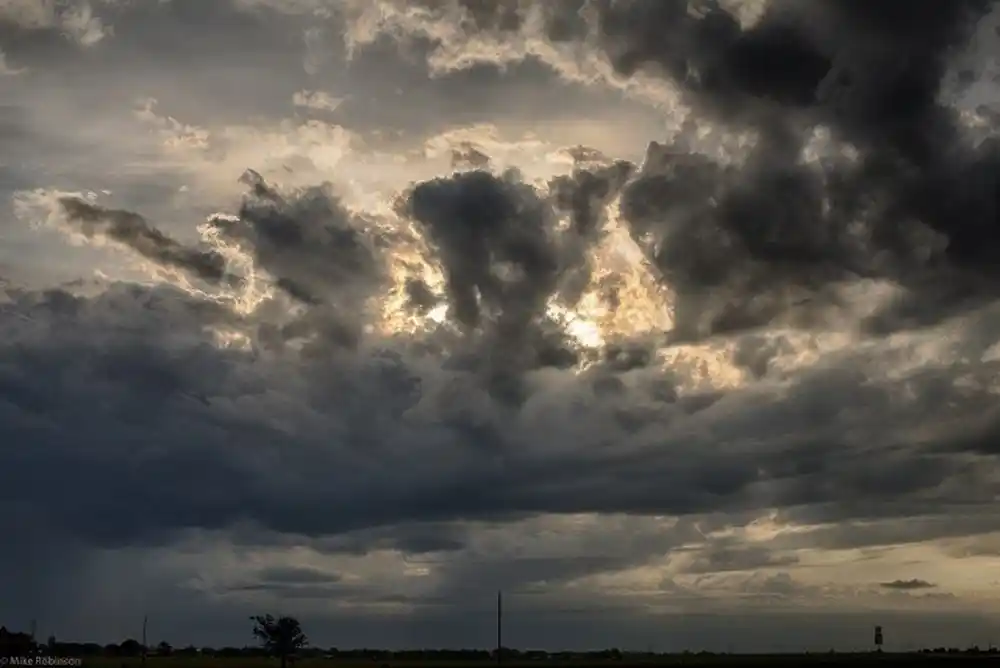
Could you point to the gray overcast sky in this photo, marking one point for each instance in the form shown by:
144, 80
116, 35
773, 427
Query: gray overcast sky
677, 321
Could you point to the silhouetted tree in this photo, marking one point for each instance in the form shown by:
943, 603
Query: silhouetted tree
164, 649
130, 647
280, 637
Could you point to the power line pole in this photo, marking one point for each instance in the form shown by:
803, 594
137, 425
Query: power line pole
145, 619
499, 627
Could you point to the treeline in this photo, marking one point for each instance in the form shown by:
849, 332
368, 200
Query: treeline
133, 648
975, 649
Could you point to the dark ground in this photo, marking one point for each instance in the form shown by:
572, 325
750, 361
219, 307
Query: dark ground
824, 659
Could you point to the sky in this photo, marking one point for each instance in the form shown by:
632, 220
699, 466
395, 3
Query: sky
677, 321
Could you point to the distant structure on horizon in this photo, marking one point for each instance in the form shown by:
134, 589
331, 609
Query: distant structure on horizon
878, 638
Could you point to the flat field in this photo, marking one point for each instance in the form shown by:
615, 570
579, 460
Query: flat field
886, 659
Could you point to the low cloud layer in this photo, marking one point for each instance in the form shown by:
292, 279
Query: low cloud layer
738, 369
908, 584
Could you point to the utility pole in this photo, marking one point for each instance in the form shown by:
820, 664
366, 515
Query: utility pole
145, 619
499, 627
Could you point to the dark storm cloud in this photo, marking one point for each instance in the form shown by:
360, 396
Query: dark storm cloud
907, 585
322, 432
309, 242
503, 259
800, 457
585, 195
311, 247
751, 244
495, 239
83, 376
748, 244
133, 231
316, 252
493, 235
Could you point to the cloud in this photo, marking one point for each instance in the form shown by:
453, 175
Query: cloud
74, 20
133, 231
731, 371
317, 100
318, 257
721, 249
907, 585
297, 575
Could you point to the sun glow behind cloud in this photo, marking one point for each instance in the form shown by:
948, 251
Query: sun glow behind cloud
623, 300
